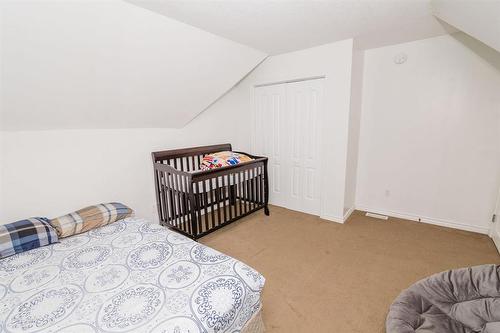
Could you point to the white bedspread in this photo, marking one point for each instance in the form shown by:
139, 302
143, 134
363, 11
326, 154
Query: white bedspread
127, 276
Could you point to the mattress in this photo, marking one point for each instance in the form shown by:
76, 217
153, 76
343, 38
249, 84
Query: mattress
129, 276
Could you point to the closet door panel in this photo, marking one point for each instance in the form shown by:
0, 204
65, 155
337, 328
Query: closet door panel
269, 129
304, 101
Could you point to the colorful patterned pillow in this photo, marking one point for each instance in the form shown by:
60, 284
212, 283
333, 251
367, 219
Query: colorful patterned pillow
90, 218
26, 235
222, 159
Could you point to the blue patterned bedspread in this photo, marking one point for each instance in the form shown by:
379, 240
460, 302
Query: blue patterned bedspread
129, 276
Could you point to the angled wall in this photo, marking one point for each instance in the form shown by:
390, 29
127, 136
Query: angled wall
109, 64
478, 18
53, 172
89, 89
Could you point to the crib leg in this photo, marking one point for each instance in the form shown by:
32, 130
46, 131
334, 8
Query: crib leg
266, 189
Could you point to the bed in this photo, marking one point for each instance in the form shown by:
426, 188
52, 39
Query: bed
197, 202
128, 276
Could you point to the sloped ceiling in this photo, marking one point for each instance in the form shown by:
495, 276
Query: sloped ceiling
480, 18
282, 26
109, 64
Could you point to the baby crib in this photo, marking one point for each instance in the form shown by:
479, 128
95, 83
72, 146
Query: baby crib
195, 202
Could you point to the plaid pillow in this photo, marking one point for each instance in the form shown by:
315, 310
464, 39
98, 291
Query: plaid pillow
90, 218
25, 235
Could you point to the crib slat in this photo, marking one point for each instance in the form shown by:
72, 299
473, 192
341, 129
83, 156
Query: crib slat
254, 194
198, 205
244, 192
180, 193
174, 194
161, 191
189, 206
218, 199
168, 203
257, 196
250, 186
260, 185
225, 196
212, 199
249, 190
187, 209
171, 198
240, 193
164, 197
205, 202
184, 202
255, 202
257, 177
231, 196
179, 202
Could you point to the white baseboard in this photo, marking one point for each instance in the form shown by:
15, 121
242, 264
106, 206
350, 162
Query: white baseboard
425, 219
348, 213
337, 219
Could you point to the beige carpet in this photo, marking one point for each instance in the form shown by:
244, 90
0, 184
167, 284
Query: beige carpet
328, 277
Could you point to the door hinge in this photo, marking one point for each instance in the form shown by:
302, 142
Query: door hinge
494, 218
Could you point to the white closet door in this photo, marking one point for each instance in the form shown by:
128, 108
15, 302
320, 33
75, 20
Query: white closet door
287, 131
304, 103
268, 130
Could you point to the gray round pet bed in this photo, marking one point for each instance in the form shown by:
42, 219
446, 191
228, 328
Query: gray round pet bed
462, 300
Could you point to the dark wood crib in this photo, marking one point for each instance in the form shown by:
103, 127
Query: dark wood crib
196, 202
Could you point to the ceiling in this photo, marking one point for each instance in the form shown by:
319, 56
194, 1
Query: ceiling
281, 26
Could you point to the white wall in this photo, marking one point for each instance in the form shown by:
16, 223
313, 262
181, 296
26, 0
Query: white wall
334, 62
109, 64
54, 172
50, 173
429, 143
354, 128
478, 18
